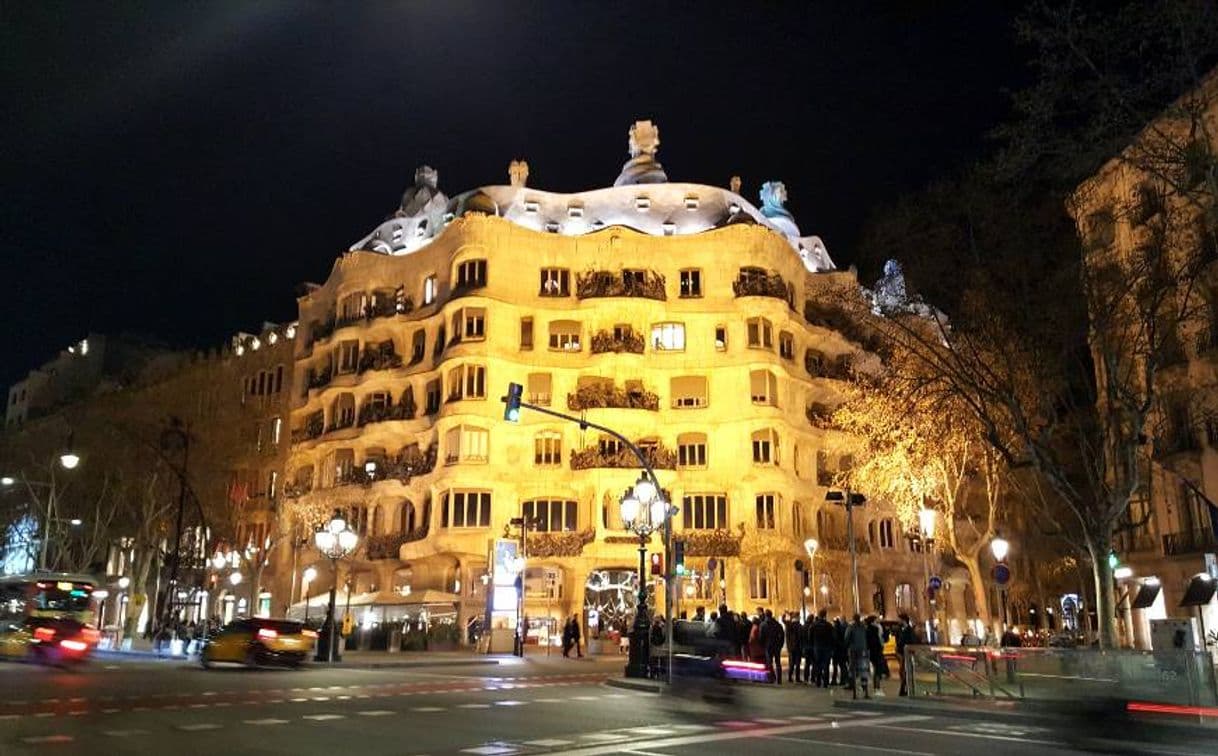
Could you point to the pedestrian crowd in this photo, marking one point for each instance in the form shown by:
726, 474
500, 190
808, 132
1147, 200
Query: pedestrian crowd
819, 651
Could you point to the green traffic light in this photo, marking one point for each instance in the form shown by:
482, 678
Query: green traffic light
1113, 561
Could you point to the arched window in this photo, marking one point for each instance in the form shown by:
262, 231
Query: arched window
342, 411
407, 518
765, 447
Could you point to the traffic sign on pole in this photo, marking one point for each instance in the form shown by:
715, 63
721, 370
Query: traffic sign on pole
1001, 574
935, 582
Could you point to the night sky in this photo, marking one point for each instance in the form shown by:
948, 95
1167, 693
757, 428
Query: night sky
176, 171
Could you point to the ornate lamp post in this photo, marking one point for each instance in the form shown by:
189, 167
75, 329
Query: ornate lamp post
850, 500
644, 511
335, 541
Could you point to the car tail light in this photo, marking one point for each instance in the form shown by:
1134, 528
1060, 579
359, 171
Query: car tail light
74, 645
309, 633
44, 633
267, 633
90, 634
745, 665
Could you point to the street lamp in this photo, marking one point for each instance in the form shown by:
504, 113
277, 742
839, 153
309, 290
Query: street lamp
335, 541
644, 511
926, 530
850, 500
309, 575
1000, 547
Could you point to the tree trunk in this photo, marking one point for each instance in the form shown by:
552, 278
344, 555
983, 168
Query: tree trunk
980, 593
1105, 595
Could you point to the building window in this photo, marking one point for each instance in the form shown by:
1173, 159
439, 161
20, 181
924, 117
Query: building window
466, 509
526, 334
466, 443
798, 525
555, 282
763, 387
691, 282
759, 583
547, 448
704, 511
438, 349
471, 274
276, 429
786, 346
469, 324
433, 396
551, 515
407, 518
608, 446
418, 346
886, 534
429, 289
765, 511
564, 335
691, 450
272, 484
342, 412
761, 333
720, 338
689, 391
633, 279
905, 597
539, 389
467, 382
765, 447
348, 356
668, 337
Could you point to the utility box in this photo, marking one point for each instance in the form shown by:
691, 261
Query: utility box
1175, 635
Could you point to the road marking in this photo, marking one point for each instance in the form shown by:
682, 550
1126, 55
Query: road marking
760, 720
266, 721
584, 698
123, 733
321, 698
971, 735
48, 739
510, 703
206, 693
324, 717
604, 737
490, 750
852, 746
653, 731
198, 727
44, 714
109, 711
427, 708
806, 718
548, 742
376, 713
547, 700
474, 706
714, 737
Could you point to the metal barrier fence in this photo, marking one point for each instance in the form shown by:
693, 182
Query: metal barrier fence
1175, 677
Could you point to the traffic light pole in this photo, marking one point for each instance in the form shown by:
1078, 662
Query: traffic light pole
511, 414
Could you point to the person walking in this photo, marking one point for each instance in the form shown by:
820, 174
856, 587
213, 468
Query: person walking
576, 635
841, 671
905, 638
566, 639
772, 637
860, 664
795, 648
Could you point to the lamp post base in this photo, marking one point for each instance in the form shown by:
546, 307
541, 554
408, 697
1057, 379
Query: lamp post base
639, 663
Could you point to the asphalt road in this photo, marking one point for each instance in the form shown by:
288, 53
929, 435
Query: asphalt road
527, 707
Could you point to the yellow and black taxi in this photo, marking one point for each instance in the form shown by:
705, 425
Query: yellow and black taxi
259, 641
58, 641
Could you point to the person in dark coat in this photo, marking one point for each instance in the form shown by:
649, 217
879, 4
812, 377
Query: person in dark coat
795, 648
875, 650
824, 645
772, 637
841, 670
905, 637
807, 650
567, 640
856, 648
576, 635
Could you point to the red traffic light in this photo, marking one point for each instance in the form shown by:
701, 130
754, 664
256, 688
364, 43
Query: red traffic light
657, 564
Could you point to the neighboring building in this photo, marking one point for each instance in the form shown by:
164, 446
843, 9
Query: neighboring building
681, 315
96, 363
1158, 198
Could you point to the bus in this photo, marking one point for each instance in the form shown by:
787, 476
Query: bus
47, 617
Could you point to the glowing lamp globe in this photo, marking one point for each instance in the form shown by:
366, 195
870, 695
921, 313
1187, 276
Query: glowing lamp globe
630, 510
1000, 547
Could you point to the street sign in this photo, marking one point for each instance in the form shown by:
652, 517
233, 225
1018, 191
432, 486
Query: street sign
935, 582
1001, 574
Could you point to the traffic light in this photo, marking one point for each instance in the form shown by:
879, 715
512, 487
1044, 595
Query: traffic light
511, 410
678, 557
657, 565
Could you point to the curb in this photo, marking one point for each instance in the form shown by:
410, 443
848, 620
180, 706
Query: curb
628, 683
406, 664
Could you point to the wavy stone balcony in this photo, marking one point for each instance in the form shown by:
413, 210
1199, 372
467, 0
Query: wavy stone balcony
603, 283
314, 426
607, 341
819, 415
404, 410
712, 543
411, 462
767, 285
565, 544
599, 396
657, 456
389, 545
379, 357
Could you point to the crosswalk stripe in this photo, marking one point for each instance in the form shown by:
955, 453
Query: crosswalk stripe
123, 733
376, 713
266, 721
323, 717
198, 727
33, 739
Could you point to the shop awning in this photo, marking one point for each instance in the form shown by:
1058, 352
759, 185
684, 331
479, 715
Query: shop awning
1147, 593
1200, 590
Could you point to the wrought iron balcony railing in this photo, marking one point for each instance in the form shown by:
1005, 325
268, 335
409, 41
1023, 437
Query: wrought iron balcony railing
1189, 542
